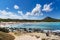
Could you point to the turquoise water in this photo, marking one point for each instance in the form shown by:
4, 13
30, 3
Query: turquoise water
41, 25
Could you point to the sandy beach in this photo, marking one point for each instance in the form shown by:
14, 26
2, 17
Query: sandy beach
29, 36
35, 36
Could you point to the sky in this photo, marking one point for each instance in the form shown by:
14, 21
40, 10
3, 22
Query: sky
29, 9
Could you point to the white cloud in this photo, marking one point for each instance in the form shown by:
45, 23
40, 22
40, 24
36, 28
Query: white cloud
47, 7
2, 12
28, 13
21, 13
36, 11
16, 7
5, 14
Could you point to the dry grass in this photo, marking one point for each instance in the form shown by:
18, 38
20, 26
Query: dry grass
5, 36
17, 33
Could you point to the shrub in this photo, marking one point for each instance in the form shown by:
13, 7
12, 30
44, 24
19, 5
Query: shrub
4, 30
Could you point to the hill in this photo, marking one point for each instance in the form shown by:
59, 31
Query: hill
47, 19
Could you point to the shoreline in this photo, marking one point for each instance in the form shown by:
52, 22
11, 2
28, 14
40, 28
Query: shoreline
37, 35
34, 36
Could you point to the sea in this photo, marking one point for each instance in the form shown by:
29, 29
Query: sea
41, 25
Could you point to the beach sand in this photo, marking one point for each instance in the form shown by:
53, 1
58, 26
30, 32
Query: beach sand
35, 36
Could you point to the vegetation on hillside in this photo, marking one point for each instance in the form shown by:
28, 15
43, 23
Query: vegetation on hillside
47, 19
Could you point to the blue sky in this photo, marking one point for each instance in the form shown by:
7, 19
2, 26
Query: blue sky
29, 9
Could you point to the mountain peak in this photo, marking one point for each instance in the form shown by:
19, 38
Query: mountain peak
48, 18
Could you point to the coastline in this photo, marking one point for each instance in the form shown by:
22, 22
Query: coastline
7, 24
31, 33
35, 36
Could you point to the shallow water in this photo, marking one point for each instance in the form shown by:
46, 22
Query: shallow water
41, 25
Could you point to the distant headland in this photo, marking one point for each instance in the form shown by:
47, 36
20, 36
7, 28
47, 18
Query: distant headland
47, 19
